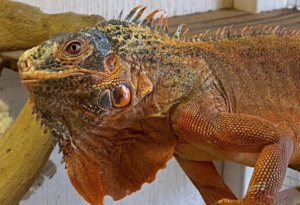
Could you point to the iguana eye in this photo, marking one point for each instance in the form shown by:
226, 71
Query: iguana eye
74, 48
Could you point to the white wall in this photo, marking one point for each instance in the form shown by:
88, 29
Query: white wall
110, 8
294, 3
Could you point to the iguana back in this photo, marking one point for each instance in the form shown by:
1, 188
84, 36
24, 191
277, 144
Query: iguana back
260, 74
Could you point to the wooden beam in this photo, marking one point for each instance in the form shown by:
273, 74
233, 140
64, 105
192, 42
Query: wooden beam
23, 154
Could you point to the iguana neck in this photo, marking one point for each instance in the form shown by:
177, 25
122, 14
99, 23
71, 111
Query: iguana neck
177, 71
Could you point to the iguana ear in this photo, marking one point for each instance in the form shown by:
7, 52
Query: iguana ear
144, 86
117, 163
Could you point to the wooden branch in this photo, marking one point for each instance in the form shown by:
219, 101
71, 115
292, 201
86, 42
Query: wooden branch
290, 196
25, 26
9, 60
23, 154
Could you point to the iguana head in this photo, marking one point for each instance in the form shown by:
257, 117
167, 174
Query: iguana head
78, 69
82, 85
99, 73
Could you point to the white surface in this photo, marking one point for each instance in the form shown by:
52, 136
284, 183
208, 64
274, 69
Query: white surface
234, 177
110, 8
267, 6
294, 3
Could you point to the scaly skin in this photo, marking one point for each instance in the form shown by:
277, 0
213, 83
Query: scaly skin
121, 100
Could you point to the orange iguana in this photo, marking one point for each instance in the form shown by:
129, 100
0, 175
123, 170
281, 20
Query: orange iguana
122, 99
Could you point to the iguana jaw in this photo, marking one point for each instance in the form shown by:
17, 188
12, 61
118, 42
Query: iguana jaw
42, 75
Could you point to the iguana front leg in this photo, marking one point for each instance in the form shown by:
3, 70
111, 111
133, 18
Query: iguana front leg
225, 134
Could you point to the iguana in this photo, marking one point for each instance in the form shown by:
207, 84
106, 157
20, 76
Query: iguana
121, 99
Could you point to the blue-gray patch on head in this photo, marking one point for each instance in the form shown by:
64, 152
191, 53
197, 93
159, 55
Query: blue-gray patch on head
58, 36
100, 40
101, 48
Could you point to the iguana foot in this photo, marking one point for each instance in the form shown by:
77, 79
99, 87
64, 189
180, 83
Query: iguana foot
245, 201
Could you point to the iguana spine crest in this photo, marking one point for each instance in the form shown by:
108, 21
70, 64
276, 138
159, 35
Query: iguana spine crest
135, 14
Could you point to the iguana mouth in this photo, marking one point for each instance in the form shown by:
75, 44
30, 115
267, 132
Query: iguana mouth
43, 75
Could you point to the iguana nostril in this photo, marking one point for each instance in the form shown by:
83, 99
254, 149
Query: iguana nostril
25, 65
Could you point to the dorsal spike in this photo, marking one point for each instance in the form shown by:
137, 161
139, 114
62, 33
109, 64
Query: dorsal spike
178, 31
200, 37
248, 32
281, 31
193, 38
293, 32
132, 12
210, 35
297, 32
149, 19
217, 33
166, 26
120, 16
255, 29
229, 31
268, 31
236, 32
204, 34
222, 32
274, 30
160, 22
184, 34
243, 31
262, 29
137, 17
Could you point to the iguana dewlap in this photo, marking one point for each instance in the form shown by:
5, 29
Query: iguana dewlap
122, 99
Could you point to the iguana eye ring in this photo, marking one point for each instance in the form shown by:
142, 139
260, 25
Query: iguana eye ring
74, 48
